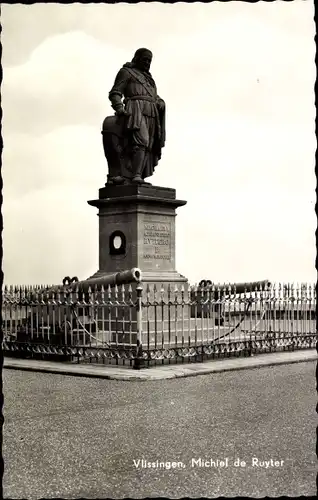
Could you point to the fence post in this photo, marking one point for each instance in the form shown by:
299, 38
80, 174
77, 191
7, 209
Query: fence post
139, 361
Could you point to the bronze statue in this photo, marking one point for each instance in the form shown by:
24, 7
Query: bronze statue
134, 137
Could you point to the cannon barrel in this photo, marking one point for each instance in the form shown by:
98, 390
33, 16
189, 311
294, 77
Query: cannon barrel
250, 286
124, 277
237, 288
202, 294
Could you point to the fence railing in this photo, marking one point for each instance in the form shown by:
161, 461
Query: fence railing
140, 324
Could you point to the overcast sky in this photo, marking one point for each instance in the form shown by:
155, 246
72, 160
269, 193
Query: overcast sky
238, 81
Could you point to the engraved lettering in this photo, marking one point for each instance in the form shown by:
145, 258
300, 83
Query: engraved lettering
162, 257
157, 240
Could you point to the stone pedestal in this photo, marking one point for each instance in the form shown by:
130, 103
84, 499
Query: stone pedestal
141, 218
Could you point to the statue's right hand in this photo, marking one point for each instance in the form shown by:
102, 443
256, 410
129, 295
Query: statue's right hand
121, 112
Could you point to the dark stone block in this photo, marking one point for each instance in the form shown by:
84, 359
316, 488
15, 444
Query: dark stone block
132, 194
137, 190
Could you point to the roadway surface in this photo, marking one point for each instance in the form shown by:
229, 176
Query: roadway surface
72, 437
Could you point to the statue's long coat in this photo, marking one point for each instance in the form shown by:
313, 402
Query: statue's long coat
145, 122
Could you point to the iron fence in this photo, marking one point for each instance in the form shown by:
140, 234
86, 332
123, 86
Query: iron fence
142, 325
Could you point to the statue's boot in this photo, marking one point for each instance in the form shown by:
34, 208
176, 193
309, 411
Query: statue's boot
115, 180
118, 180
138, 166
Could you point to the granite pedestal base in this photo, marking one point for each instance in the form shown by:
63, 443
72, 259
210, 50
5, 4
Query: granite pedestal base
137, 229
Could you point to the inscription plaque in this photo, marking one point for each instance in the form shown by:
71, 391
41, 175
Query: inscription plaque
157, 240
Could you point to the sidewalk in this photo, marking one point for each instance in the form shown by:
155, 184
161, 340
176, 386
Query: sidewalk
162, 372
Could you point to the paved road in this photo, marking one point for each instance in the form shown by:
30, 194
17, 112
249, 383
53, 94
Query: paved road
75, 437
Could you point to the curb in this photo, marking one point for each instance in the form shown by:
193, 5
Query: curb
165, 372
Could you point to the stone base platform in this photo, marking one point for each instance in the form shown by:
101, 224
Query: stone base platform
137, 229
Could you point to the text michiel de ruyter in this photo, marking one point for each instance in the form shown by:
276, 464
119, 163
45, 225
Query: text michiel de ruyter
157, 241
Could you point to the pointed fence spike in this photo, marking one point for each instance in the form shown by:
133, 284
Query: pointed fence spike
162, 293
147, 291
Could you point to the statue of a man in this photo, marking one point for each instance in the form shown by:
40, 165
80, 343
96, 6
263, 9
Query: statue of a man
141, 116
